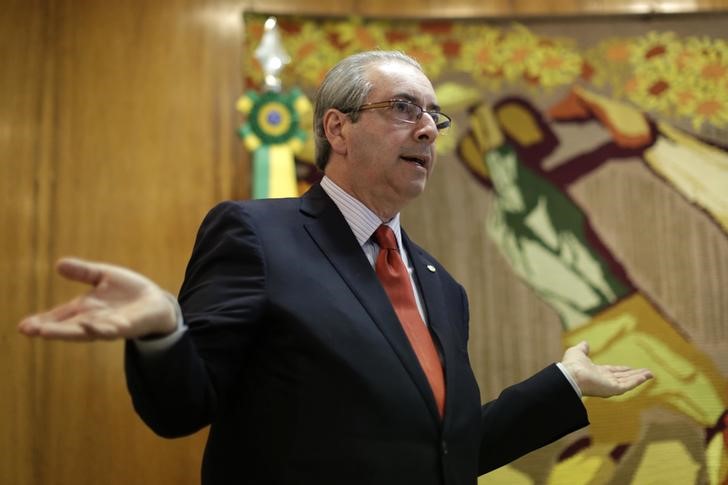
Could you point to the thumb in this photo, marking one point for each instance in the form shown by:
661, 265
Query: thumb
76, 269
583, 346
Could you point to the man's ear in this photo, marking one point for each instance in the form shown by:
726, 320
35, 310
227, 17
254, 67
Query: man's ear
334, 127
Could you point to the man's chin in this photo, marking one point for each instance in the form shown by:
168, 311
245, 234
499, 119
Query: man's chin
415, 188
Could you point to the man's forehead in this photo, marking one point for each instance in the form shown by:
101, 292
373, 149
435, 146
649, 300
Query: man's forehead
397, 78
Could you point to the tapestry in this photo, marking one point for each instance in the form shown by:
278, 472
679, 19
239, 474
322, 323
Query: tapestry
586, 178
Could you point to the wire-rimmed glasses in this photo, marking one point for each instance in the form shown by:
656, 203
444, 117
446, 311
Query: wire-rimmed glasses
409, 112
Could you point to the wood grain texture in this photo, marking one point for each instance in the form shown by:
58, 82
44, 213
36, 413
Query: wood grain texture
121, 134
23, 180
117, 134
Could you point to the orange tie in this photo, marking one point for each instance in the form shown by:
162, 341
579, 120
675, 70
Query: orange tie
396, 281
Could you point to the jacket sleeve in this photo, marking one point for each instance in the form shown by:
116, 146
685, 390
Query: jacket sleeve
527, 416
222, 298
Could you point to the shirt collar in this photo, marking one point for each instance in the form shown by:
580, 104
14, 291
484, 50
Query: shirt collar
361, 219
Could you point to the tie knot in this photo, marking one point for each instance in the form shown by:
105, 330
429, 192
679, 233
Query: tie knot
384, 235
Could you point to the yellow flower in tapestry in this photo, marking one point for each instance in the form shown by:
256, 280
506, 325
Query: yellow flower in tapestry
655, 49
692, 52
701, 91
707, 107
710, 68
357, 36
427, 50
651, 89
516, 48
312, 54
554, 66
480, 54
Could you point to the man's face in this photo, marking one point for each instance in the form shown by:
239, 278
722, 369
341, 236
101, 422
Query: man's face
390, 160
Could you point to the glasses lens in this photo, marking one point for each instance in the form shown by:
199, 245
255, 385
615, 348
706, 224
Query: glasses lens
442, 122
405, 111
409, 112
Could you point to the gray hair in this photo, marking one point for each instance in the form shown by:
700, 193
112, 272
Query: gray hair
345, 87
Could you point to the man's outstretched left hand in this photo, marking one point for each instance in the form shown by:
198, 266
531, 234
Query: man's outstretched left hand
601, 380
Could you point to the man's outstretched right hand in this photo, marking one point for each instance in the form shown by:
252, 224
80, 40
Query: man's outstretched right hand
119, 304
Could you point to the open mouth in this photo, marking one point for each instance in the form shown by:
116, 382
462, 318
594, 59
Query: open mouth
419, 161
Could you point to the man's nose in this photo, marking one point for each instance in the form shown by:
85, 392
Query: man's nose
426, 130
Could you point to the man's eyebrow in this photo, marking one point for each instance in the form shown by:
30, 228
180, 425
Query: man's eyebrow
409, 97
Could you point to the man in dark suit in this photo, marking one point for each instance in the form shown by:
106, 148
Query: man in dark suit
318, 342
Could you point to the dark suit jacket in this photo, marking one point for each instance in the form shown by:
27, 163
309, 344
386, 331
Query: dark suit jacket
296, 359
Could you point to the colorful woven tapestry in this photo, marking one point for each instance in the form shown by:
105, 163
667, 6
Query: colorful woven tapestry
586, 176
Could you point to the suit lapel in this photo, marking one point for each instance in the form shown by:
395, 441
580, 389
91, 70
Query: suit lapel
332, 234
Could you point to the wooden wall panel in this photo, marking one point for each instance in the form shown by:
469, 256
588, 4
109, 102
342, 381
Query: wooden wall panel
117, 133
21, 159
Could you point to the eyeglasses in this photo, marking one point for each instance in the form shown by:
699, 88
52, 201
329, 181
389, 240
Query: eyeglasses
409, 112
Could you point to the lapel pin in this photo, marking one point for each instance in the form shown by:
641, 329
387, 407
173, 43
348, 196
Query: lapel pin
431, 268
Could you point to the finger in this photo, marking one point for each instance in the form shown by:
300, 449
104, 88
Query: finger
62, 331
80, 270
625, 371
628, 380
628, 383
618, 368
61, 313
83, 327
632, 373
100, 330
29, 325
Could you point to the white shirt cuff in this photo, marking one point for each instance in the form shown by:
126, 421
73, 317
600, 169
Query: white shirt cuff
158, 345
571, 380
